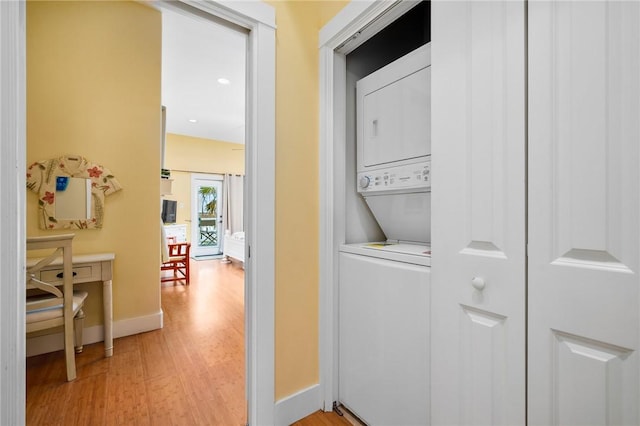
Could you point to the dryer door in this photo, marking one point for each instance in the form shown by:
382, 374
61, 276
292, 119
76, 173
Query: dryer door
394, 112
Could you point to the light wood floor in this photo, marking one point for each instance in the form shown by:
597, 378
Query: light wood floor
323, 419
189, 373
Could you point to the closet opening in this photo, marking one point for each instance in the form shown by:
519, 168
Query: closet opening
381, 80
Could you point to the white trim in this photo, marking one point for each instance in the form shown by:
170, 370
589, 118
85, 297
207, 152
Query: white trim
260, 228
332, 190
343, 32
333, 33
207, 176
55, 341
359, 21
259, 19
298, 406
128, 327
12, 219
247, 14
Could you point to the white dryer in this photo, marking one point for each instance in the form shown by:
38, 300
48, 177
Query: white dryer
394, 146
393, 110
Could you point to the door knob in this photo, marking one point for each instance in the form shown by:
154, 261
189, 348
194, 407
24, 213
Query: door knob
478, 283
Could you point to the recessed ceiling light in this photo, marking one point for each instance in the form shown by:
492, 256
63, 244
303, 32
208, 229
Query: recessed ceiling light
223, 81
193, 120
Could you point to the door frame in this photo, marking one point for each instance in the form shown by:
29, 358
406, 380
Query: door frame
357, 22
13, 224
259, 19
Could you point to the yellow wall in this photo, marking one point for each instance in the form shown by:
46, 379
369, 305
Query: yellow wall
297, 196
199, 155
93, 89
185, 155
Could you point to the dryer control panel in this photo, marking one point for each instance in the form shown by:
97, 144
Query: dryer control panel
411, 177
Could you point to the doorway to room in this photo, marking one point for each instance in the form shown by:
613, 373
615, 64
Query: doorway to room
259, 19
206, 215
204, 89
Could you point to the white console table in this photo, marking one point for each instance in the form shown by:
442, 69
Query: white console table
88, 268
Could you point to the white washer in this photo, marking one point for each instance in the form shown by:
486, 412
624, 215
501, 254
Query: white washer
384, 339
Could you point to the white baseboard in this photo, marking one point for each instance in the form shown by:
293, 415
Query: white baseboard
54, 342
298, 406
130, 326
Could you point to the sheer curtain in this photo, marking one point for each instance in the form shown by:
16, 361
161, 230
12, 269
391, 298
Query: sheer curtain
233, 204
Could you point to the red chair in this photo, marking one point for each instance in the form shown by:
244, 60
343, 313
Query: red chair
178, 263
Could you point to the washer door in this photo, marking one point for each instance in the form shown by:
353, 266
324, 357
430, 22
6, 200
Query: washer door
384, 340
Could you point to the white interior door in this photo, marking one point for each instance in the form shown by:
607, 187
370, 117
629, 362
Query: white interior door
584, 132
206, 215
478, 234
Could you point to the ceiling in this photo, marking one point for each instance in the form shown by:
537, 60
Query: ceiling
197, 52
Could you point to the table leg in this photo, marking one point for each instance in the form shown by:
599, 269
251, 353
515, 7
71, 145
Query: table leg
108, 318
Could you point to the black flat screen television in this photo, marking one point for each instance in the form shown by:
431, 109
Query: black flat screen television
169, 211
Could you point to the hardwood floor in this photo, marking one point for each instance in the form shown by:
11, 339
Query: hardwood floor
189, 373
320, 418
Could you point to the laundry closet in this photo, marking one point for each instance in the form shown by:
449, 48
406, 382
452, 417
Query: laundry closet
384, 263
533, 287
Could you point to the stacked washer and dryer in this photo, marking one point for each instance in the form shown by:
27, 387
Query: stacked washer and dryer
384, 285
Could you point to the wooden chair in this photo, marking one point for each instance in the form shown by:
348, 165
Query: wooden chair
52, 307
178, 263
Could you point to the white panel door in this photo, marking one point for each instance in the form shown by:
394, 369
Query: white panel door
478, 160
584, 132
